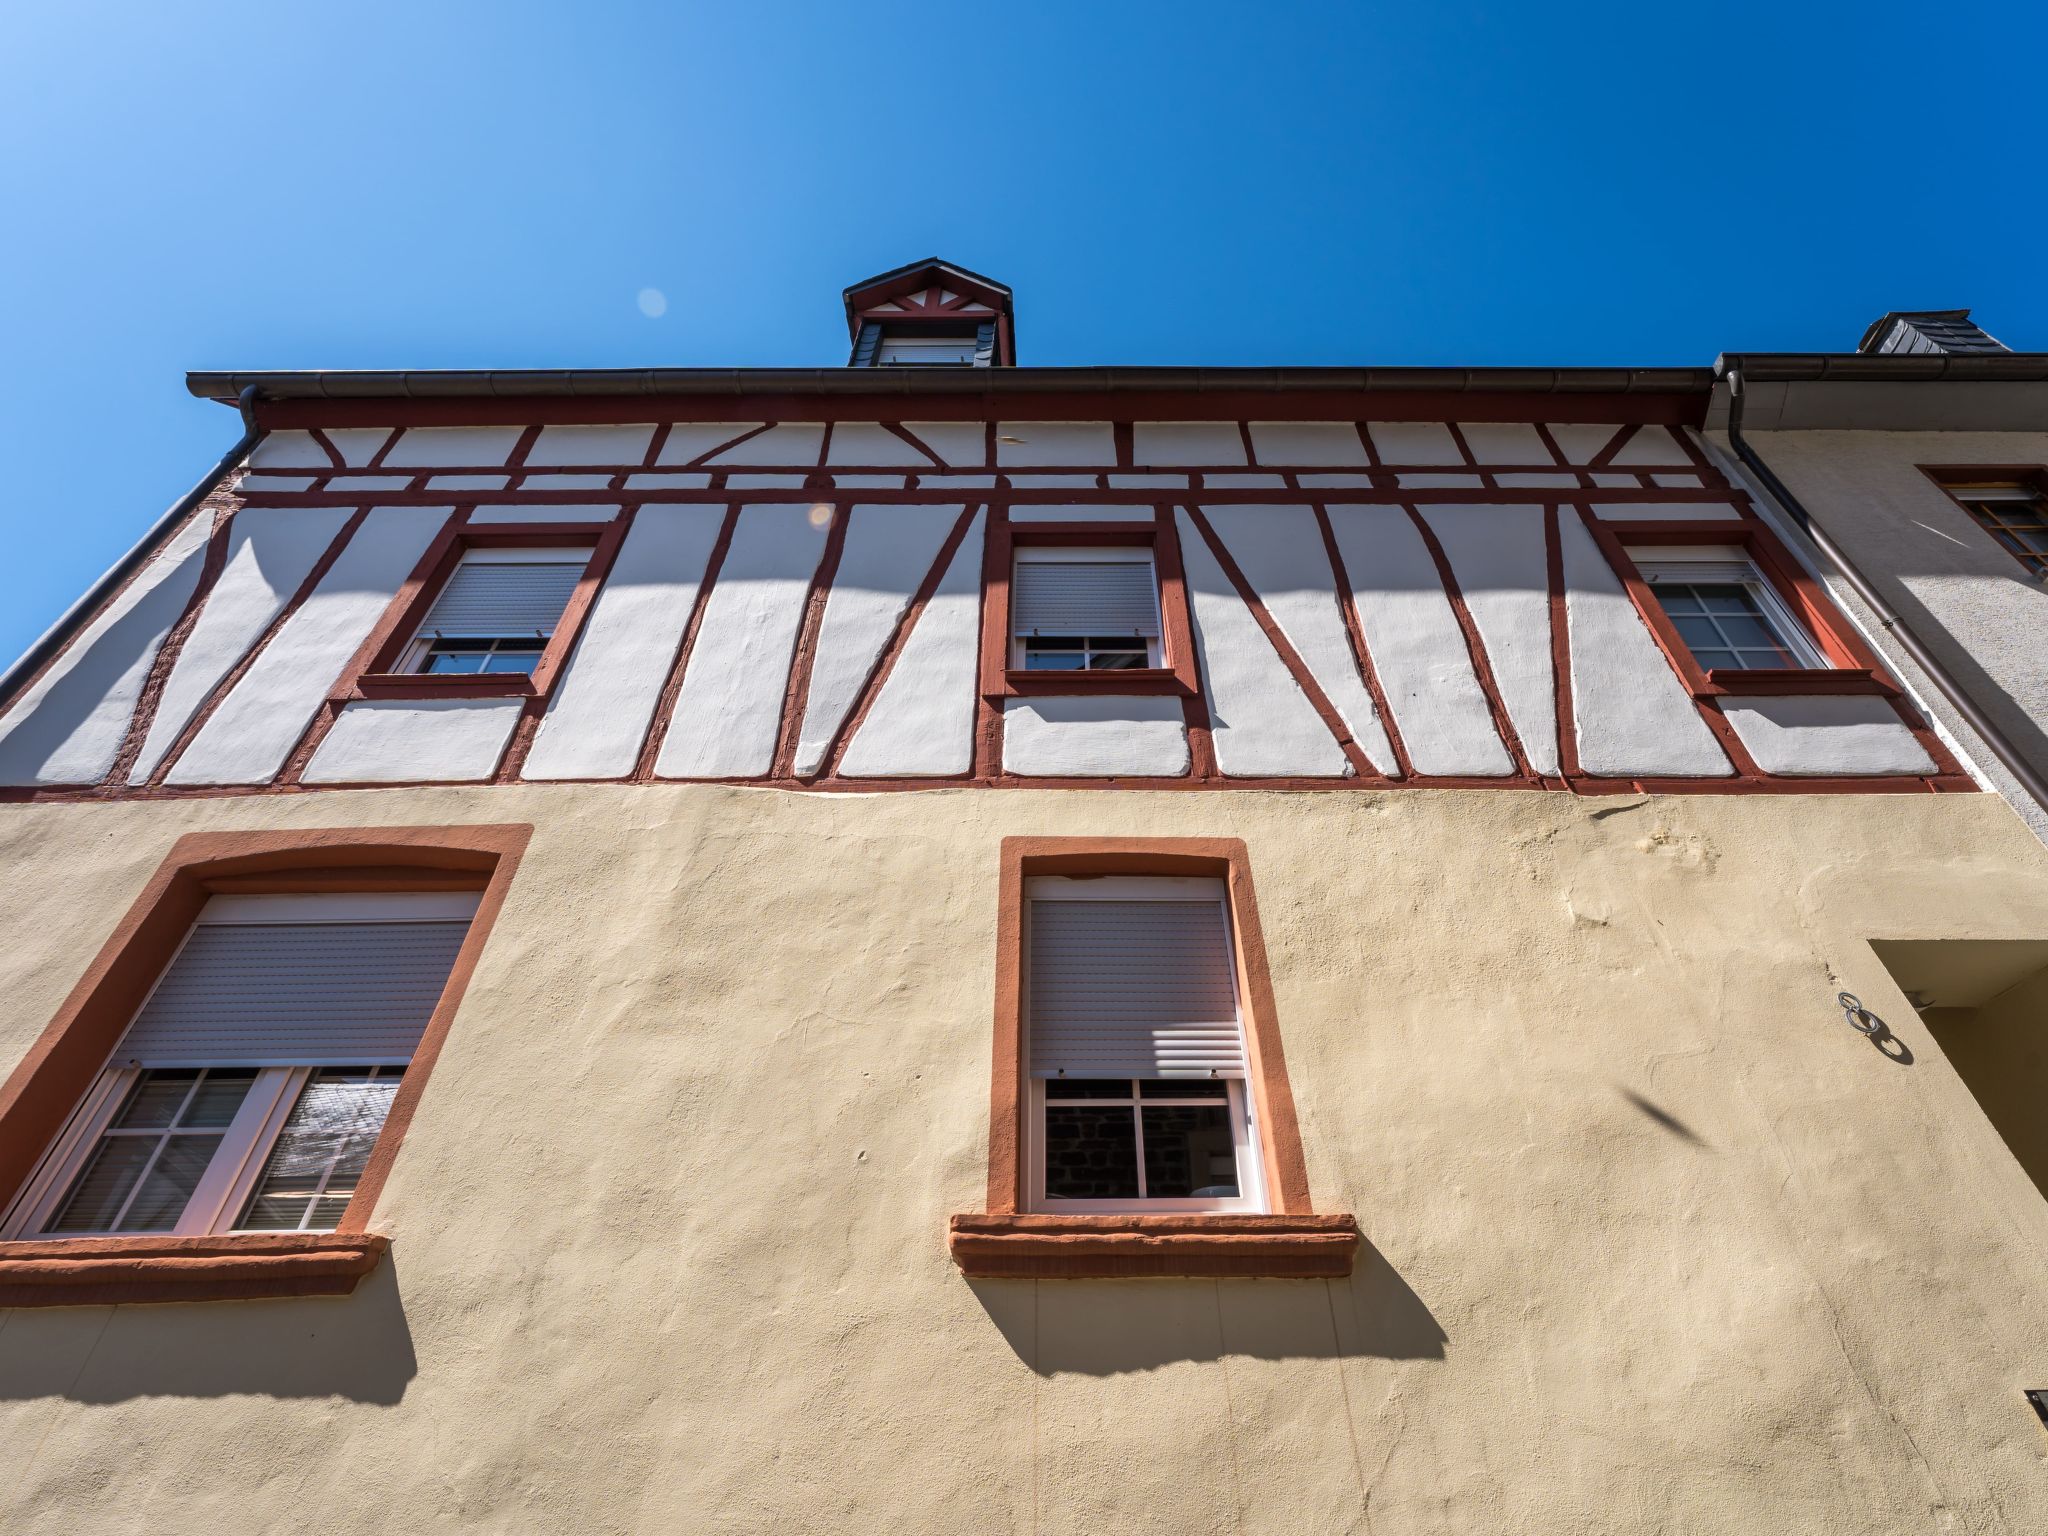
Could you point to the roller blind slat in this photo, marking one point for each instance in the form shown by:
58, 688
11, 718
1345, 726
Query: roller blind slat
1133, 989
489, 598
261, 993
1084, 597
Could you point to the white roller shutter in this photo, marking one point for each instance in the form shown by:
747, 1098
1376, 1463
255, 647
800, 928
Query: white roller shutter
1133, 989
1084, 597
492, 598
276, 993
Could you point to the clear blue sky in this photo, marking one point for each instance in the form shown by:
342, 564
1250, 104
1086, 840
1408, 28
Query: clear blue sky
468, 185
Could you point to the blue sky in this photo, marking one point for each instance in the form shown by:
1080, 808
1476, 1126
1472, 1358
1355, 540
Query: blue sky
470, 185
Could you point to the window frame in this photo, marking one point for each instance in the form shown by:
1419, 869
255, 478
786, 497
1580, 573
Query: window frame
1957, 480
1132, 554
61, 1078
378, 670
1776, 614
1001, 678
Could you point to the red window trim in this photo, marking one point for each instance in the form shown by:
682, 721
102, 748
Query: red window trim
1006, 1241
1855, 667
40, 1094
369, 674
1000, 680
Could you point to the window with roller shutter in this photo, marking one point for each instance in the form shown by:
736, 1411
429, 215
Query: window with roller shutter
1084, 610
496, 611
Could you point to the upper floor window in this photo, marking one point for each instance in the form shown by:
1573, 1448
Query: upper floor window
496, 612
1084, 610
1136, 1048
1725, 610
2012, 511
248, 1090
913, 349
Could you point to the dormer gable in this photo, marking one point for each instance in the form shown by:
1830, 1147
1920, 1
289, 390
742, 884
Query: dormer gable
930, 313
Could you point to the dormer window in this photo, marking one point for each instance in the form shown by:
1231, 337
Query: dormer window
930, 314
913, 350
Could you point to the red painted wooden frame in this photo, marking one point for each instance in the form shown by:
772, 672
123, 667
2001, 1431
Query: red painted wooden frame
1855, 667
370, 676
1176, 634
39, 1095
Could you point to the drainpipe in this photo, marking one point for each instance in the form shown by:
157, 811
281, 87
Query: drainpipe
1993, 737
53, 639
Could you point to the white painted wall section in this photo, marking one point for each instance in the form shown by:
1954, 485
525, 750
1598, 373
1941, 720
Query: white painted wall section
357, 445
396, 741
888, 553
1497, 555
730, 705
790, 442
1414, 442
1504, 442
1581, 441
605, 701
624, 444
464, 447
270, 552
1632, 713
1187, 442
1826, 734
1280, 550
248, 737
289, 450
869, 442
957, 443
1416, 644
1095, 738
68, 728
1054, 442
921, 724
1651, 445
1329, 443
1263, 723
691, 440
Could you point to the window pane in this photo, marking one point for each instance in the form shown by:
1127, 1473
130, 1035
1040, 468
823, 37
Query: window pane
1116, 661
1036, 660
96, 1198
1184, 1088
443, 661
322, 1149
512, 661
1189, 1152
1088, 1088
1697, 633
218, 1097
156, 1097
168, 1189
1091, 1152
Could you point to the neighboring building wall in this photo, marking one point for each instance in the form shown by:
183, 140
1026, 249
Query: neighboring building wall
1968, 600
1657, 1241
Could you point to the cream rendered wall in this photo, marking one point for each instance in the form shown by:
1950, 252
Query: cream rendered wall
1658, 1242
1972, 603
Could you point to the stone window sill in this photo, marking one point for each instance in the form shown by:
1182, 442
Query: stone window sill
110, 1271
1049, 1247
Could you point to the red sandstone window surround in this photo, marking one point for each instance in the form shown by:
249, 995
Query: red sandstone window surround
312, 1251
401, 659
1006, 672
1255, 1216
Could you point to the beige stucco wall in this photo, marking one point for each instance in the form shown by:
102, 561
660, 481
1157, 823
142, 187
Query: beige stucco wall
1973, 604
1659, 1242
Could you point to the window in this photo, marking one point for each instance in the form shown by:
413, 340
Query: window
1084, 610
251, 1085
1136, 1048
1725, 610
2013, 512
495, 612
923, 351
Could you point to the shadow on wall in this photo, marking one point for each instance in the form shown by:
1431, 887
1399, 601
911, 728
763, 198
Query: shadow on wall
1107, 1327
356, 1347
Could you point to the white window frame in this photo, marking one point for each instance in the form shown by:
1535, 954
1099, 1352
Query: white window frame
230, 1177
915, 343
1108, 554
414, 657
1731, 565
1240, 1097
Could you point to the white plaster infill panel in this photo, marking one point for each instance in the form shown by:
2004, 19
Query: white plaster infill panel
1057, 512
269, 553
1651, 445
1414, 442
357, 445
1826, 734
887, 555
730, 705
789, 442
537, 512
1095, 738
606, 699
1497, 554
959, 444
1168, 443
396, 741
1264, 725
289, 450
1280, 550
68, 728
248, 737
1633, 714
921, 724
590, 445
1505, 442
1329, 444
688, 441
459, 447
1416, 644
1665, 511
1581, 441
1054, 442
869, 442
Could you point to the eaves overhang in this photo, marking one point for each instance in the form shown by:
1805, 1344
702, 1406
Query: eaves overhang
1923, 392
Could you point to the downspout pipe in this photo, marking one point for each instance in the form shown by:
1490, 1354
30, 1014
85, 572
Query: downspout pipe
1987, 729
53, 639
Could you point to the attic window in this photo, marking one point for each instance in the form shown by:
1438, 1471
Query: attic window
925, 351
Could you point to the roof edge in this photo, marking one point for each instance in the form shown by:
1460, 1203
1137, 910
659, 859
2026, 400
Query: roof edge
1884, 367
